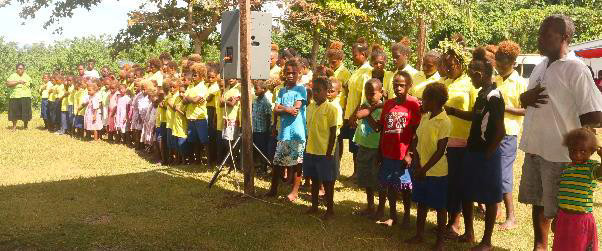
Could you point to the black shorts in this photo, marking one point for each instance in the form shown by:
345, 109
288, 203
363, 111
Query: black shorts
19, 109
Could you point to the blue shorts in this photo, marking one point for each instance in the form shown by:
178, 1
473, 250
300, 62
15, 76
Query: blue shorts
198, 131
482, 177
44, 109
430, 191
180, 145
455, 178
50, 110
261, 139
78, 122
508, 148
169, 139
320, 167
395, 174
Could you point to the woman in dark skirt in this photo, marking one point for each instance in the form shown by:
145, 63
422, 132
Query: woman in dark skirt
19, 103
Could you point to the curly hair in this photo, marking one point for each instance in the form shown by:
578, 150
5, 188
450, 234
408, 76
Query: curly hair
437, 92
402, 47
155, 62
197, 58
200, 69
335, 51
507, 50
362, 46
481, 63
323, 71
581, 135
377, 51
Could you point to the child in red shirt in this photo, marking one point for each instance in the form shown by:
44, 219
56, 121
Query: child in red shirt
399, 119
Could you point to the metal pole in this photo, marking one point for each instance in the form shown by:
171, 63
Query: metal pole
247, 133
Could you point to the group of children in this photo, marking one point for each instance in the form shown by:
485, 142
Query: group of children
432, 136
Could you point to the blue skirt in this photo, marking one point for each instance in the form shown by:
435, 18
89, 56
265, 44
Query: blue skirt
483, 177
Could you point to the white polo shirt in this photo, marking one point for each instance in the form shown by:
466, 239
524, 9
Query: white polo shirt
572, 93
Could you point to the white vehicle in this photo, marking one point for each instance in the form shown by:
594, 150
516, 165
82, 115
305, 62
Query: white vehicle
526, 62
591, 54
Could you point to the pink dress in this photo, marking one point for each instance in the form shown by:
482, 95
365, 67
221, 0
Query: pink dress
121, 113
93, 108
143, 107
111, 111
134, 115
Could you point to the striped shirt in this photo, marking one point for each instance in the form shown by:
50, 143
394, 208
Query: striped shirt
577, 183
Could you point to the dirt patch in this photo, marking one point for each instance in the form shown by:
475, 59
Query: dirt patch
98, 220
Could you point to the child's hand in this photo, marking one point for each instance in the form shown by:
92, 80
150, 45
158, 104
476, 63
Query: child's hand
419, 172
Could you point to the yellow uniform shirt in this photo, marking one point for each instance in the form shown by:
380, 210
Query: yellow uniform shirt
275, 72
62, 91
179, 123
160, 115
274, 97
231, 113
20, 90
212, 89
462, 95
78, 99
319, 121
158, 77
342, 74
46, 89
355, 87
388, 84
51, 94
170, 112
70, 97
197, 110
219, 111
409, 69
511, 89
420, 82
429, 132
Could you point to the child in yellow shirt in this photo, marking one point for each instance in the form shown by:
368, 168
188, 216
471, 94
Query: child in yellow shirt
319, 159
179, 124
195, 100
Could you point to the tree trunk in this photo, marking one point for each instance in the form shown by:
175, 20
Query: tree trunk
421, 42
198, 45
315, 47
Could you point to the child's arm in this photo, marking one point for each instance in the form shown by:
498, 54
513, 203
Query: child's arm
331, 140
465, 115
497, 115
178, 109
441, 146
196, 100
232, 101
515, 111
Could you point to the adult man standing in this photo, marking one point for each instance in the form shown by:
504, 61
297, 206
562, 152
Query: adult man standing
561, 96
90, 71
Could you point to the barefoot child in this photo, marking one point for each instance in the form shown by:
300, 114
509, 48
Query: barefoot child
180, 125
482, 162
574, 225
93, 116
121, 113
319, 160
262, 113
290, 108
367, 138
195, 102
399, 119
430, 176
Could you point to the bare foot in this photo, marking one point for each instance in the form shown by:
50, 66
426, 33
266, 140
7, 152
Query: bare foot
292, 197
327, 216
415, 240
388, 223
508, 225
465, 238
322, 192
482, 247
312, 210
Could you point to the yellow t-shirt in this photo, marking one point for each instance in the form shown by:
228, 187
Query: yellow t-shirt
274, 97
231, 113
65, 98
511, 89
45, 89
429, 132
462, 95
388, 84
342, 74
170, 112
179, 123
319, 121
219, 111
51, 94
78, 99
197, 110
337, 103
212, 89
160, 115
70, 97
157, 76
420, 82
275, 72
355, 87
20, 90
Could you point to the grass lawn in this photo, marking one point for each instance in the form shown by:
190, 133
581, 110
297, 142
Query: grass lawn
62, 193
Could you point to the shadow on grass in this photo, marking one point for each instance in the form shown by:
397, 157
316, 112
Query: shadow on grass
152, 210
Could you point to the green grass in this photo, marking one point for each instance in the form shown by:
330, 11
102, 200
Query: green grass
62, 193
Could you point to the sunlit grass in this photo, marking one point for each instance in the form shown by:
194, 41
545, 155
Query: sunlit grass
62, 193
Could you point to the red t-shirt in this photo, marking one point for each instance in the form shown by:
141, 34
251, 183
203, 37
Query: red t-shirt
399, 126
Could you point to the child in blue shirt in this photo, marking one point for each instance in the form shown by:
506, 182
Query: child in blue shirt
290, 109
261, 117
